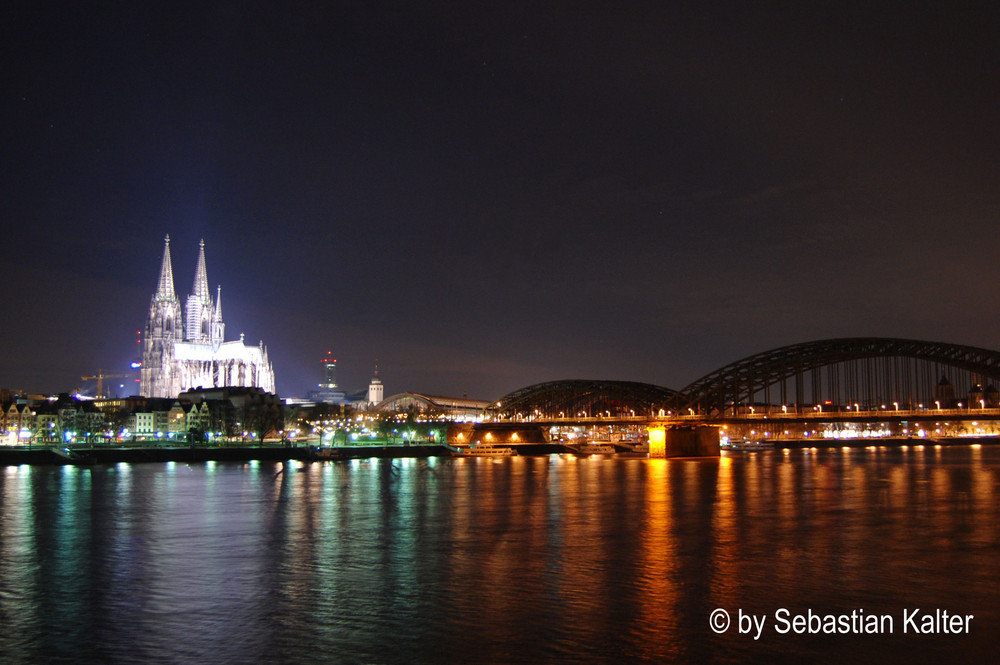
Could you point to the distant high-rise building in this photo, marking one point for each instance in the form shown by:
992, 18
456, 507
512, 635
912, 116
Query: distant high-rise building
329, 371
181, 355
327, 391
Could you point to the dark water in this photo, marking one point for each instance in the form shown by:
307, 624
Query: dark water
549, 559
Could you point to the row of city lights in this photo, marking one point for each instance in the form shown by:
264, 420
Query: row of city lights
663, 413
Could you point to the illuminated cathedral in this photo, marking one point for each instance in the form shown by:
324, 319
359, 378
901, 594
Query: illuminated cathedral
181, 354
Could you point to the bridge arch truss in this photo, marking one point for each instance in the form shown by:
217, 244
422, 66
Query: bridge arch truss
582, 398
864, 372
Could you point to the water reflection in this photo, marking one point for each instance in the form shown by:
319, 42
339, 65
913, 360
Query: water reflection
513, 560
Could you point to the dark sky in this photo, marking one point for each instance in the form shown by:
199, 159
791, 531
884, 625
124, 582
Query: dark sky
481, 199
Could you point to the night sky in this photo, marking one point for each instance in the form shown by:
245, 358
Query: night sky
478, 199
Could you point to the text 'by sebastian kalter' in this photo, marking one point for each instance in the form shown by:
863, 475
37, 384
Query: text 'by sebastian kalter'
915, 621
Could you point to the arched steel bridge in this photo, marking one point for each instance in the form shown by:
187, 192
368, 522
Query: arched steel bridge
578, 398
863, 373
869, 372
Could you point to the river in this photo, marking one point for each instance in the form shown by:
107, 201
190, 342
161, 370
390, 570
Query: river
514, 560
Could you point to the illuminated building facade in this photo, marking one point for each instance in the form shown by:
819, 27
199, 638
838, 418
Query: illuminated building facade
180, 354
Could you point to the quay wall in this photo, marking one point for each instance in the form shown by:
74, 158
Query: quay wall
43, 456
13, 456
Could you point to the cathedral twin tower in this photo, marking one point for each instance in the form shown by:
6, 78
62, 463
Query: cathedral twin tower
179, 355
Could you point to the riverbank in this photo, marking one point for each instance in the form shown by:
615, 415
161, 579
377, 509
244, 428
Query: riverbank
132, 455
13, 456
89, 456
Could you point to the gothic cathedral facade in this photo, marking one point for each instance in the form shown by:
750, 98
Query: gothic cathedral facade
181, 354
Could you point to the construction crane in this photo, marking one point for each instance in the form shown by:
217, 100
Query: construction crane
100, 376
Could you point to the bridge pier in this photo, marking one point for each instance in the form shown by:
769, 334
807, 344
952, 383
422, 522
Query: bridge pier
701, 441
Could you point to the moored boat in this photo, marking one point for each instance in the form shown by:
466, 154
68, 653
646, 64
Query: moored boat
595, 449
320, 454
751, 445
485, 451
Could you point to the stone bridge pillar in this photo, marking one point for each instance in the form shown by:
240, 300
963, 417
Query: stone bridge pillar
700, 441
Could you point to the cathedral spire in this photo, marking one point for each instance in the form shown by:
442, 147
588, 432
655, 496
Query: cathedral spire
200, 288
163, 328
165, 287
198, 313
218, 333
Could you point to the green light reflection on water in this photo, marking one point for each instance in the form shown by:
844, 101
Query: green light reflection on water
19, 560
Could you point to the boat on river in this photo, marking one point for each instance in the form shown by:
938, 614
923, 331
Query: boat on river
595, 449
485, 451
321, 454
749, 446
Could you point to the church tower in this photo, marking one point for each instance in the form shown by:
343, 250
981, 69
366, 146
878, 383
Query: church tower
375, 389
163, 328
198, 312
